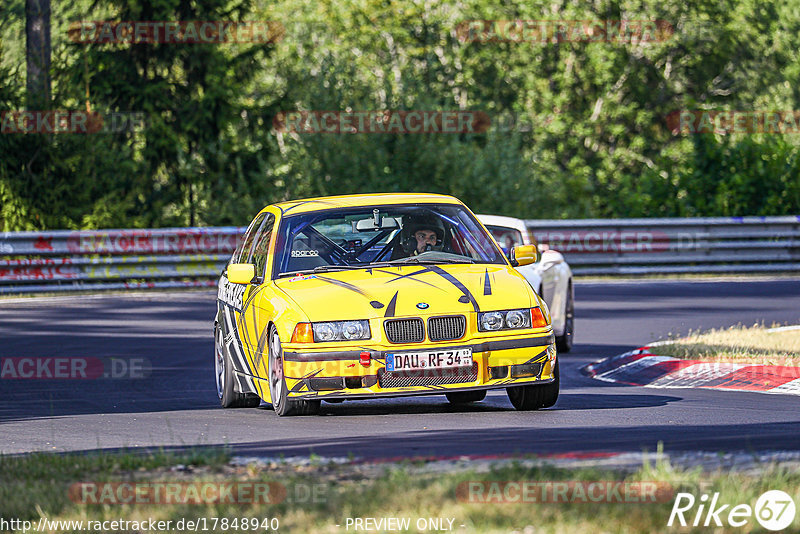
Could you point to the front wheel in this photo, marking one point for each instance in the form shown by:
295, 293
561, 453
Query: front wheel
535, 396
564, 341
277, 383
223, 372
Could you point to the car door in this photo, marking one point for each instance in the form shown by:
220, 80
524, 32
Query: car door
252, 322
231, 301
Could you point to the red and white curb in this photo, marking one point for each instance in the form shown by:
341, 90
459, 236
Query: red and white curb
640, 367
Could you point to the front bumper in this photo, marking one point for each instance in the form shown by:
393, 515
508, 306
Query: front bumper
497, 363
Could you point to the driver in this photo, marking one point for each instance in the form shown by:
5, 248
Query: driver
426, 239
422, 232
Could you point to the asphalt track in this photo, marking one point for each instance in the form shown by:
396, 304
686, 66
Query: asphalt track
176, 405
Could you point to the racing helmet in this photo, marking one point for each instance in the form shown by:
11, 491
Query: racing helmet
422, 219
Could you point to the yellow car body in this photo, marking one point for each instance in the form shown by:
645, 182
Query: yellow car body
388, 297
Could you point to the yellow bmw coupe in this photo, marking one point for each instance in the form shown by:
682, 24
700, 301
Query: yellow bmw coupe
385, 295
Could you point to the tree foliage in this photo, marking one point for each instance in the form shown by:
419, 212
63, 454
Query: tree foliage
579, 128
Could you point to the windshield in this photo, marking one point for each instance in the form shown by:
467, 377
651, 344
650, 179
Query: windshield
363, 236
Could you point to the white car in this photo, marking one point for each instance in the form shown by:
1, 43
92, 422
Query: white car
551, 277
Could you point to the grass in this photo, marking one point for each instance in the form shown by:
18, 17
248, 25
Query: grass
320, 497
740, 344
41, 479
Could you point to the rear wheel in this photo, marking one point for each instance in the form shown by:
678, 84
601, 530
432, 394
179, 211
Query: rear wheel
277, 383
564, 341
535, 397
223, 372
464, 397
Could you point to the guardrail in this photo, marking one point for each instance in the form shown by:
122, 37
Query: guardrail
673, 246
33, 262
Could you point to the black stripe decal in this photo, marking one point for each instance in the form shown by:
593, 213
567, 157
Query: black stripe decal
246, 373
229, 305
343, 284
297, 387
453, 280
409, 275
487, 284
392, 304
250, 298
309, 374
262, 344
539, 358
287, 210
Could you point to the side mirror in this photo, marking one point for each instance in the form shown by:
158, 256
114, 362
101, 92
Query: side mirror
241, 273
524, 255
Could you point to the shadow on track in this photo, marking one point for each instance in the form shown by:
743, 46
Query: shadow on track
513, 440
520, 441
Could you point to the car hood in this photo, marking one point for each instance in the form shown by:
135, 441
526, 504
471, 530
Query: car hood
408, 290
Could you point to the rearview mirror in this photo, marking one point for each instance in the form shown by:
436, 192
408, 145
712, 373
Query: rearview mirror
524, 255
370, 225
241, 273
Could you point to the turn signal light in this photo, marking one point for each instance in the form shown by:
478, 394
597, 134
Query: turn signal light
303, 333
537, 318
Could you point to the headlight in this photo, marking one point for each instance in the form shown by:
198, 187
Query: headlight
504, 320
490, 321
324, 332
517, 318
355, 330
341, 331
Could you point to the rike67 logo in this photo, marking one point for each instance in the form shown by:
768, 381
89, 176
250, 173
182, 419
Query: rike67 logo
774, 510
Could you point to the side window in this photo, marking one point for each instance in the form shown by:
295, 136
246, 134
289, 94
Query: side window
243, 250
261, 247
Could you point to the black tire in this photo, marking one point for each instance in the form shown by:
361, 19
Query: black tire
277, 384
464, 397
564, 341
535, 397
223, 372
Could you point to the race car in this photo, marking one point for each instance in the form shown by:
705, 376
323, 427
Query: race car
551, 276
373, 296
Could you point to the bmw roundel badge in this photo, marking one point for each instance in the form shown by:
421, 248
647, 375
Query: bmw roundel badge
423, 305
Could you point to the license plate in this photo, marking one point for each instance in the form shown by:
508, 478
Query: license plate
433, 359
